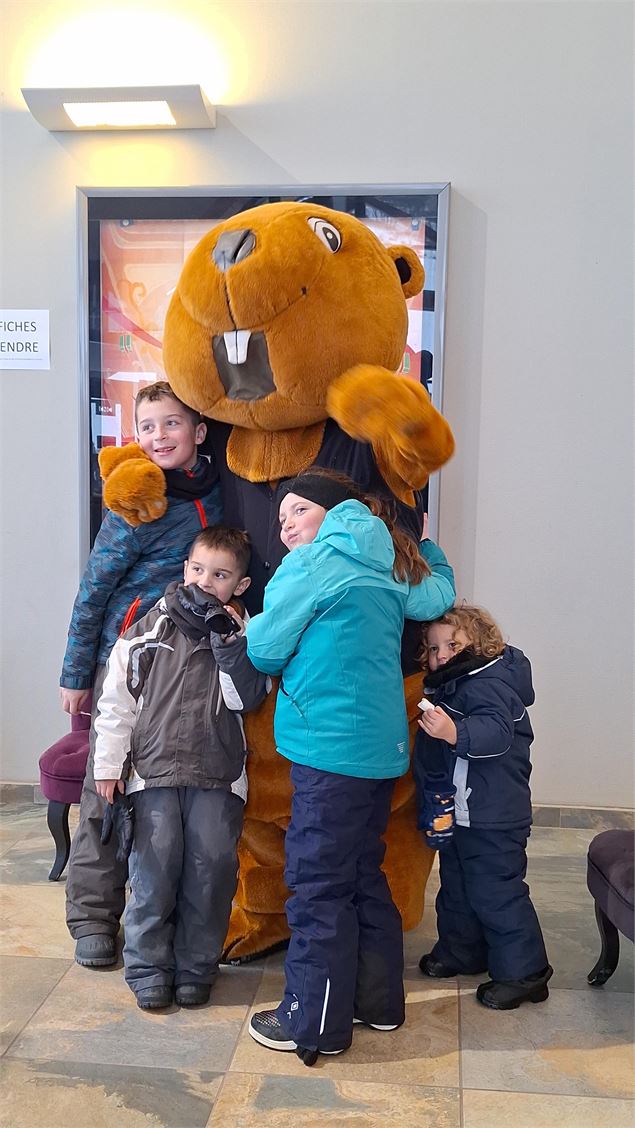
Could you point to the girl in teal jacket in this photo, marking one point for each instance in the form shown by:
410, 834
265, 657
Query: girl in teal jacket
331, 626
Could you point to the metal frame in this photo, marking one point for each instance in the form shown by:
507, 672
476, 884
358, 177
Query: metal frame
291, 191
83, 367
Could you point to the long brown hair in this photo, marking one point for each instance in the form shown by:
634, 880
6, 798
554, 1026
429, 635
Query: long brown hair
409, 565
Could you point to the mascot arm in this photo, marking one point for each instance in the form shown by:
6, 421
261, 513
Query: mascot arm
134, 487
409, 438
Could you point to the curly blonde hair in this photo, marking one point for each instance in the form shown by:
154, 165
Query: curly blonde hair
485, 636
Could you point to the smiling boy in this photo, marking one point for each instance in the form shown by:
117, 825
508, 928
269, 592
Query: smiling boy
127, 571
167, 431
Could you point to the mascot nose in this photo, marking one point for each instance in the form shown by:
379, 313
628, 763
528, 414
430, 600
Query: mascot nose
232, 247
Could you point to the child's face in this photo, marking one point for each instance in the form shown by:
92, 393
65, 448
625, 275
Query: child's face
300, 520
167, 434
215, 571
443, 643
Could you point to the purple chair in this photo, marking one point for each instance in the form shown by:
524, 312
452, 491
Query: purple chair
610, 865
62, 771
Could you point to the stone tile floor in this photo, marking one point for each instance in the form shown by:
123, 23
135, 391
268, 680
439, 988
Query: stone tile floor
77, 1052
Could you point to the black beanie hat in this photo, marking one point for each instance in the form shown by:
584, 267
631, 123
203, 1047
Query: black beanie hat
321, 489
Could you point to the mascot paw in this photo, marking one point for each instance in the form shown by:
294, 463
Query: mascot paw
410, 439
134, 487
252, 935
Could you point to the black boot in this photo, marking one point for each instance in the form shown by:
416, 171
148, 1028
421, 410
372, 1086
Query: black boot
192, 994
510, 994
435, 969
99, 950
155, 998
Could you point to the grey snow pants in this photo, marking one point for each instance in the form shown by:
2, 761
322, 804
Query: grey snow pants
183, 876
96, 881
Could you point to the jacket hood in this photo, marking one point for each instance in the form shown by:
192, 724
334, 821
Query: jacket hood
351, 529
513, 668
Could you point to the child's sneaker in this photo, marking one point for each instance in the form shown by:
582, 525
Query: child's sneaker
265, 1028
376, 1025
509, 995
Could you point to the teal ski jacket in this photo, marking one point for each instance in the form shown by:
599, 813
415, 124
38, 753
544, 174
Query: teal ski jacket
331, 626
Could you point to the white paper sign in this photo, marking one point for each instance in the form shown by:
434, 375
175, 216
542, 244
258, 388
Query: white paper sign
24, 338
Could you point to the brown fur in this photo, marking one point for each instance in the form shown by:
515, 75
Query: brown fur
335, 329
137, 496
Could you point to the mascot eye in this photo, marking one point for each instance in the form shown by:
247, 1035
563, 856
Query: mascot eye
329, 235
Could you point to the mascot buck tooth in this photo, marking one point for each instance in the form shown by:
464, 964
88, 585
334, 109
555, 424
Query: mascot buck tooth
284, 331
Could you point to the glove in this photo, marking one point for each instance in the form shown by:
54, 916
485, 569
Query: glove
408, 436
436, 817
119, 816
134, 486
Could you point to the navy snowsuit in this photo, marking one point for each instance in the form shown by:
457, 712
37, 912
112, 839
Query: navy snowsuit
485, 918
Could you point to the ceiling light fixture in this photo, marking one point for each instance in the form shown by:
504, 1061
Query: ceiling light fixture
124, 107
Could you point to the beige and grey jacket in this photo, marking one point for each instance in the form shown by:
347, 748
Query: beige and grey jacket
169, 711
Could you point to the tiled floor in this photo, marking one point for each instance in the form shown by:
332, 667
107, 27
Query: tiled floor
78, 1053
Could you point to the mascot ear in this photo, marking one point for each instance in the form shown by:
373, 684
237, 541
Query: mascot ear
409, 268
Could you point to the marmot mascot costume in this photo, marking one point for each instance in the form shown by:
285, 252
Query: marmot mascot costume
284, 331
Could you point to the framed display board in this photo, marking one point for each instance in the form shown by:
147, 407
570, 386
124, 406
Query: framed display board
133, 244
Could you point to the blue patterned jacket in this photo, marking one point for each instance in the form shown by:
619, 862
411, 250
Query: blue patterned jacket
127, 572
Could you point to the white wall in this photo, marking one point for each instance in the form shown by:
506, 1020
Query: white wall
526, 109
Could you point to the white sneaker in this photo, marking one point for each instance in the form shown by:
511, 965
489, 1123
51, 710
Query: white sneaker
376, 1025
265, 1028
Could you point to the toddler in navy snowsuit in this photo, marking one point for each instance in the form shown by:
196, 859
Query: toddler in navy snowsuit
471, 758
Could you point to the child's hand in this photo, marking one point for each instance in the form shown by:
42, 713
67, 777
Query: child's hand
105, 788
232, 612
436, 723
73, 699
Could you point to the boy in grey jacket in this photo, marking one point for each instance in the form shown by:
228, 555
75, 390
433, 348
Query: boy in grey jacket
169, 723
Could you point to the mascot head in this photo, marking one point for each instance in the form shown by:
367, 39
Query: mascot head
277, 302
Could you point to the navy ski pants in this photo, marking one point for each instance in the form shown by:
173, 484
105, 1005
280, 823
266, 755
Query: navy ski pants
345, 956
485, 918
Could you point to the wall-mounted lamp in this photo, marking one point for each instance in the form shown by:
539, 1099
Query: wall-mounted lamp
121, 107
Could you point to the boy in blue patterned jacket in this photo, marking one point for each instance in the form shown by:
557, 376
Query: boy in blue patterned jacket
127, 572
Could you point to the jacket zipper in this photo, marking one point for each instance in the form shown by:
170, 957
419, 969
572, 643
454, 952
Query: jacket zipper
199, 505
129, 617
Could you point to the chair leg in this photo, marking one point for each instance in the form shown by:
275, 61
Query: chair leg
57, 820
610, 953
